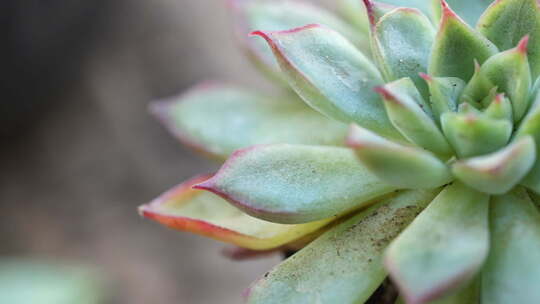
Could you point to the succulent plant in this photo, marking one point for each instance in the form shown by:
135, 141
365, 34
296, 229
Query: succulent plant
408, 151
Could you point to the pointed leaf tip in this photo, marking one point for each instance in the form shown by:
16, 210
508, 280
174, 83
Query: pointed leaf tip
370, 12
293, 184
331, 75
523, 44
443, 247
187, 209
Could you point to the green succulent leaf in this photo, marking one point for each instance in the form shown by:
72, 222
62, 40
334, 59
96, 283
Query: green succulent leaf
401, 166
331, 75
456, 47
354, 12
401, 43
506, 22
530, 126
509, 71
469, 294
219, 119
472, 134
512, 271
279, 15
375, 10
293, 184
469, 10
500, 107
444, 94
443, 247
477, 88
499, 172
343, 265
204, 213
412, 116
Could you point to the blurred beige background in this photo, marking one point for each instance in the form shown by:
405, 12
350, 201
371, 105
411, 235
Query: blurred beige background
74, 172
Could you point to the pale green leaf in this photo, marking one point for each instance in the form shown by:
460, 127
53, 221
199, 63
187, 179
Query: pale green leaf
412, 116
331, 75
200, 212
278, 15
219, 119
472, 134
498, 172
401, 44
456, 47
506, 22
398, 165
512, 271
444, 246
296, 184
344, 265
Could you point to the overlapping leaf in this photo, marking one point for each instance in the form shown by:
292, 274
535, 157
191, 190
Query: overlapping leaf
344, 265
219, 119
186, 209
296, 184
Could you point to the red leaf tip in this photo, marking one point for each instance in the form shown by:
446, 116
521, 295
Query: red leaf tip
385, 94
425, 76
499, 98
370, 11
523, 44
447, 12
207, 185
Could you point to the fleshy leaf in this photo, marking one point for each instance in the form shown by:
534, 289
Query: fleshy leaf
498, 172
456, 47
509, 71
279, 15
477, 88
409, 113
413, 33
512, 271
506, 22
344, 265
400, 166
196, 211
296, 184
331, 75
219, 119
469, 294
444, 246
469, 10
354, 12
376, 9
530, 126
444, 94
500, 108
472, 134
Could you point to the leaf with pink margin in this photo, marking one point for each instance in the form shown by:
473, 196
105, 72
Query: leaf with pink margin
219, 119
414, 34
293, 184
344, 265
512, 272
279, 15
506, 22
469, 294
469, 10
331, 75
447, 60
444, 246
200, 212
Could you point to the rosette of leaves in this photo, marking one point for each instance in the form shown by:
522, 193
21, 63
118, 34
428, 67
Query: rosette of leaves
409, 150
